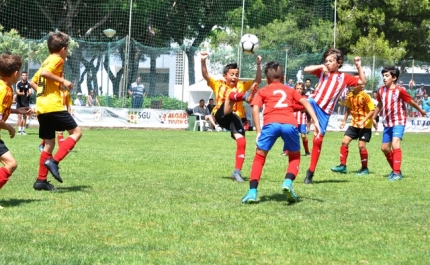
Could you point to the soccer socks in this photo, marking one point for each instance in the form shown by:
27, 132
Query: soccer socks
316, 151
240, 152
294, 163
364, 157
257, 167
234, 96
343, 154
43, 170
397, 160
4, 176
389, 157
306, 145
60, 140
64, 149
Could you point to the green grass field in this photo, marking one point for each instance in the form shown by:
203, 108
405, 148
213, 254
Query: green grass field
165, 197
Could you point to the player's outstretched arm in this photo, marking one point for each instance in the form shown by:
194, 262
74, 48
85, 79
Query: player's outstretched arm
203, 57
51, 76
310, 69
418, 107
362, 77
258, 74
345, 117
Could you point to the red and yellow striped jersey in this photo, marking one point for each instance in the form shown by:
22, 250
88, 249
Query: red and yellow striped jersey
6, 98
222, 90
360, 105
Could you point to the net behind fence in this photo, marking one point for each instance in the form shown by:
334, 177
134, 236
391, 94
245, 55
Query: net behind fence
159, 41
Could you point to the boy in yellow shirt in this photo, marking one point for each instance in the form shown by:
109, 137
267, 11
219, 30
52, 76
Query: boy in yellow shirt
51, 114
9, 73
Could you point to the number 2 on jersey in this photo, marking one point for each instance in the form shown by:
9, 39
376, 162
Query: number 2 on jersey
281, 102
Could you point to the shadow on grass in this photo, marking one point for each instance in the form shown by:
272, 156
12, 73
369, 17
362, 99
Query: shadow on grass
244, 178
282, 198
73, 189
329, 181
15, 202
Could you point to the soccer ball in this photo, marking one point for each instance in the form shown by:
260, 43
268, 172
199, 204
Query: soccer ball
249, 43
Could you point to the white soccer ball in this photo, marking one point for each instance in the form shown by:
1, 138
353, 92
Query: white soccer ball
249, 43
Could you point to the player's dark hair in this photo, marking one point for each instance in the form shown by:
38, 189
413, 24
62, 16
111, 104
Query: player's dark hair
201, 100
273, 71
339, 55
57, 41
394, 72
9, 63
308, 79
24, 72
230, 66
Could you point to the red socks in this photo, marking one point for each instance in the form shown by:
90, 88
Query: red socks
234, 96
316, 151
43, 171
64, 149
257, 167
397, 160
364, 158
4, 176
343, 154
305, 144
294, 163
60, 140
389, 157
240, 152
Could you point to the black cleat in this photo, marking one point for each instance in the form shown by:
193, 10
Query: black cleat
309, 176
44, 185
53, 168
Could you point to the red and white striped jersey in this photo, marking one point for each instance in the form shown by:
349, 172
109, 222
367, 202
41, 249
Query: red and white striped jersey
301, 116
394, 100
330, 88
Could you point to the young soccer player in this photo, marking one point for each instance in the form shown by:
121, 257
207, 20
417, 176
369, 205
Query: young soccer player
227, 93
359, 104
50, 111
279, 121
392, 102
331, 84
67, 101
9, 74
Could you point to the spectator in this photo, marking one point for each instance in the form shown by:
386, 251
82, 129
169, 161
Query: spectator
203, 111
137, 92
23, 92
290, 83
308, 88
411, 91
211, 105
78, 100
92, 99
421, 90
426, 103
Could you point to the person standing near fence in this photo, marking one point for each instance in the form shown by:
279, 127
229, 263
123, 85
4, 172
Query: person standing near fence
137, 93
226, 95
23, 92
331, 84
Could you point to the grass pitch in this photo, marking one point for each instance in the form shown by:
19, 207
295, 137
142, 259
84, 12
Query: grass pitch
165, 197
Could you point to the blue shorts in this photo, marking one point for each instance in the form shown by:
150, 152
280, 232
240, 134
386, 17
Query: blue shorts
323, 117
272, 131
391, 132
302, 128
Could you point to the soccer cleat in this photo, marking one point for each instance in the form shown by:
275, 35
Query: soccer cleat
309, 176
20, 133
287, 189
236, 176
363, 171
395, 176
307, 154
53, 168
44, 185
339, 168
41, 148
250, 197
23, 133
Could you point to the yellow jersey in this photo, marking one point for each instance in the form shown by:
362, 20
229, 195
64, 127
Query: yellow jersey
222, 90
6, 99
48, 97
360, 105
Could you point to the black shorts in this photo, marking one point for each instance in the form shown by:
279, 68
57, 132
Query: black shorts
21, 104
3, 148
55, 121
230, 122
362, 134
